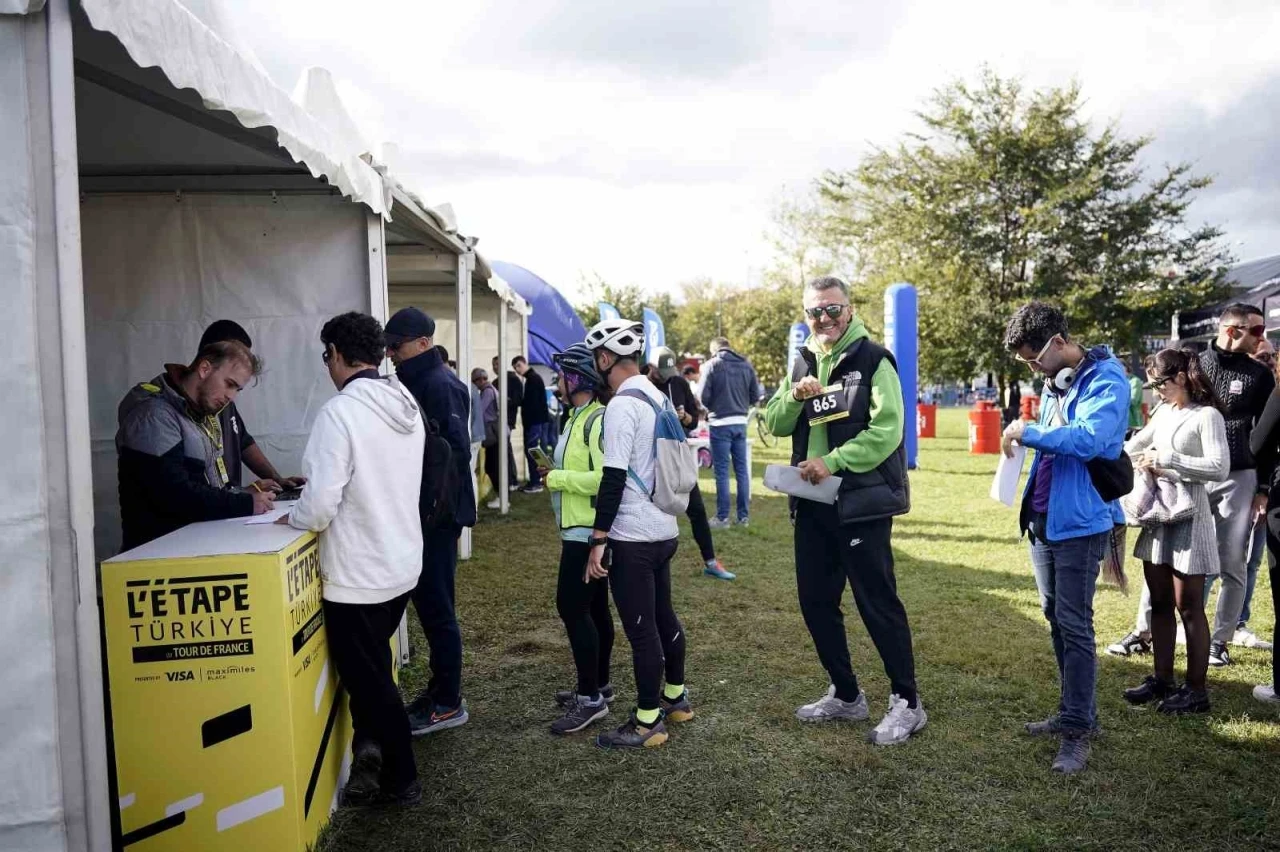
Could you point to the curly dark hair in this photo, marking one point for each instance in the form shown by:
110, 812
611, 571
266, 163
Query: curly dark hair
357, 337
1033, 325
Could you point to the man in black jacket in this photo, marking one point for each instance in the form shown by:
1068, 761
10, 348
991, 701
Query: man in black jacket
539, 431
515, 395
446, 405
169, 446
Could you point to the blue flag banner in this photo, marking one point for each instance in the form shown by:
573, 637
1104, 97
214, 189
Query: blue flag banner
608, 311
655, 334
901, 317
795, 339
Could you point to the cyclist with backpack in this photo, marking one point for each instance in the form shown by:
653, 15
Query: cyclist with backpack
574, 481
649, 470
446, 505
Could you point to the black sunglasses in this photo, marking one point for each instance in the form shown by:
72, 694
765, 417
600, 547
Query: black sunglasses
1156, 384
831, 311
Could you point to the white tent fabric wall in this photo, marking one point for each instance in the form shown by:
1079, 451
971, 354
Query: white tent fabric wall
50, 708
158, 271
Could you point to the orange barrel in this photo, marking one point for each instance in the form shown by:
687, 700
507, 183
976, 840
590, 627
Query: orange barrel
926, 420
984, 429
1031, 408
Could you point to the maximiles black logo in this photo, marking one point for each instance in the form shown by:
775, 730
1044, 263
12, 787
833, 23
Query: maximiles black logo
190, 618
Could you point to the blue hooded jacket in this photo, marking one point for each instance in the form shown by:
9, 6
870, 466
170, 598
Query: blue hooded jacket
1096, 409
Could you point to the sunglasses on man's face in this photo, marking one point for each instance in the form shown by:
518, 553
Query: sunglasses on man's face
1034, 363
832, 311
1253, 330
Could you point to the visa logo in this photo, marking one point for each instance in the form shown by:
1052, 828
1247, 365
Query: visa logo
176, 676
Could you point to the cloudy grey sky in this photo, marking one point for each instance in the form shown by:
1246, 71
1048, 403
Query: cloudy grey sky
646, 141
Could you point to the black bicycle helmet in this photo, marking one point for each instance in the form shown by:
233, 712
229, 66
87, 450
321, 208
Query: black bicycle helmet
578, 359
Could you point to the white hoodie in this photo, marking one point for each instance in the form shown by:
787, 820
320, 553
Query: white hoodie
363, 465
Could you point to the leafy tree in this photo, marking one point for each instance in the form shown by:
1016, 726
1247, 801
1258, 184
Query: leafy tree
1008, 196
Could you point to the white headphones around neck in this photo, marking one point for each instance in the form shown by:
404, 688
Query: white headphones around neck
1065, 379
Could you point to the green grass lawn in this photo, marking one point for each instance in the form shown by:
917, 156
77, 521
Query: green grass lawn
745, 775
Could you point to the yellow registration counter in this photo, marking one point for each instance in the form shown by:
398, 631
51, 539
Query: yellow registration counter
230, 729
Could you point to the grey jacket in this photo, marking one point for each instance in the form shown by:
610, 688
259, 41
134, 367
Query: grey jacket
729, 387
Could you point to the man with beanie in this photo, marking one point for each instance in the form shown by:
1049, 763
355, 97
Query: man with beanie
446, 408
843, 408
238, 446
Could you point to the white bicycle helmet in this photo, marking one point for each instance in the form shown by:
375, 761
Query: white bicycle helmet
620, 336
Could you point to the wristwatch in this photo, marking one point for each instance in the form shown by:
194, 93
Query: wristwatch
597, 542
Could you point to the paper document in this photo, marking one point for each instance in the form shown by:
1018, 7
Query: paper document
1005, 486
271, 517
786, 479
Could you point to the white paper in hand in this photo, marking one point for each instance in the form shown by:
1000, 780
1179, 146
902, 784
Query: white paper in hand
276, 513
1005, 486
786, 480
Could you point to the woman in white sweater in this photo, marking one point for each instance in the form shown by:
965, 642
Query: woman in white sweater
1186, 441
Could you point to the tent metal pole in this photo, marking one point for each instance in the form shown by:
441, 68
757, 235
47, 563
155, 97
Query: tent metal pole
75, 389
504, 434
463, 356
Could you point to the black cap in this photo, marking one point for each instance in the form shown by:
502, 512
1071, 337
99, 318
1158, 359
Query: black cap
223, 330
409, 324
666, 364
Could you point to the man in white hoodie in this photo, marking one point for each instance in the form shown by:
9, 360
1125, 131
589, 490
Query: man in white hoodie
363, 465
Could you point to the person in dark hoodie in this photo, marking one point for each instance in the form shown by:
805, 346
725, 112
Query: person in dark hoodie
446, 406
663, 375
169, 446
729, 389
858, 437
239, 449
515, 395
535, 417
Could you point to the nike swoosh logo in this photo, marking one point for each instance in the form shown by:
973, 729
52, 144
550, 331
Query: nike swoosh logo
435, 717
855, 542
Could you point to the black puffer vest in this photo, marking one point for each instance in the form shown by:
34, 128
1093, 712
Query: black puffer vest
877, 494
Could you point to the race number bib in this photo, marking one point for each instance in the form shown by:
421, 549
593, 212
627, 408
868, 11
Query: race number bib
831, 404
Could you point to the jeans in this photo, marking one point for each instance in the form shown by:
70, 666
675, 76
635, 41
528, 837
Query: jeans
1066, 575
830, 556
726, 442
433, 599
1257, 548
538, 435
359, 646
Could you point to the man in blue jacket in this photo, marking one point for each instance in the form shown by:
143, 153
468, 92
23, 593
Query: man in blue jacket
1083, 419
729, 389
444, 400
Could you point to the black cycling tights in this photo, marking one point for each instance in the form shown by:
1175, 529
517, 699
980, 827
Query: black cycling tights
584, 609
640, 575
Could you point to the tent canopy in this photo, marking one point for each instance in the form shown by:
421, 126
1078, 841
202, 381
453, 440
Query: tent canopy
553, 325
1254, 283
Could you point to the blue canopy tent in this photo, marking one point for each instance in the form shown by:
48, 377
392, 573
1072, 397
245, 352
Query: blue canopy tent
553, 325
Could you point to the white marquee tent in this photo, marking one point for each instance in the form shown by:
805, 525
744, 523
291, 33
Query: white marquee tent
155, 179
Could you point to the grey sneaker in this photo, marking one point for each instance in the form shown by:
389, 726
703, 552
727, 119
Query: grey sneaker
565, 697
828, 708
1246, 638
633, 734
744, 521
1266, 694
899, 723
429, 717
579, 715
1073, 755
718, 523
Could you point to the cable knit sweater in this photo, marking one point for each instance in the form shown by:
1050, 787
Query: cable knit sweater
1243, 387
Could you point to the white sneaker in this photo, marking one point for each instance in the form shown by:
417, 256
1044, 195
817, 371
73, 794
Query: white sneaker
828, 708
899, 723
1266, 694
1182, 634
495, 503
1246, 638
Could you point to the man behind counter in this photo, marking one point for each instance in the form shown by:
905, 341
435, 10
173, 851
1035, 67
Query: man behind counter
169, 446
238, 445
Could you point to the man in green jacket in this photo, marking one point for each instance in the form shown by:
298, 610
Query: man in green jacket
844, 410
